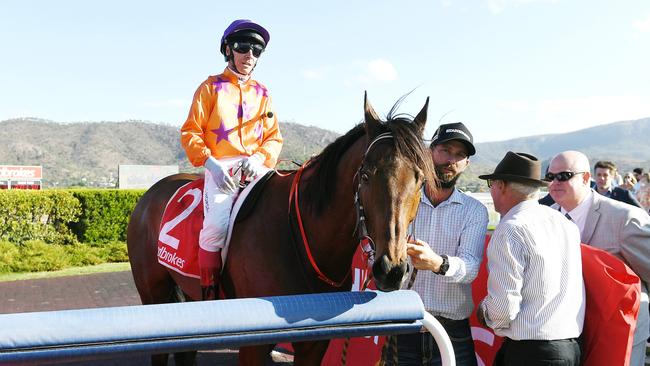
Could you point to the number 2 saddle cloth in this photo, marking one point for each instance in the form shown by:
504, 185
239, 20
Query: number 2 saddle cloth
178, 241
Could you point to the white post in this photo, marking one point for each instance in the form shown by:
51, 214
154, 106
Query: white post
442, 339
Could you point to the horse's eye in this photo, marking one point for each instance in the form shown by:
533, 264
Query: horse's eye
365, 177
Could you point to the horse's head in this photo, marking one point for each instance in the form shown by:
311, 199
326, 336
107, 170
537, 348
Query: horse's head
394, 168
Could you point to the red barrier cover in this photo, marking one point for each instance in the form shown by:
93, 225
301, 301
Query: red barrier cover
612, 291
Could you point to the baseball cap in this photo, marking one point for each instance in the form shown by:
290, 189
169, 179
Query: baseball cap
454, 131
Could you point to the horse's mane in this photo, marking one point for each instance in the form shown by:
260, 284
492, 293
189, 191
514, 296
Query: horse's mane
319, 188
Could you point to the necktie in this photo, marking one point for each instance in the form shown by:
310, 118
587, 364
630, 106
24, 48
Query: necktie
568, 216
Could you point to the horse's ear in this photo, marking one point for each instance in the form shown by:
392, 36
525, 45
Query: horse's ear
421, 119
371, 119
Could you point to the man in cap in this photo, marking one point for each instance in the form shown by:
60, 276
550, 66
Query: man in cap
447, 250
231, 129
616, 227
536, 295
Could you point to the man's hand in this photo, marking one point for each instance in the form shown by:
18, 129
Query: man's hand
252, 166
480, 314
219, 173
422, 256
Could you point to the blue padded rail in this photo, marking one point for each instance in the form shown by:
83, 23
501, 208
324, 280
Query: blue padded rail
103, 332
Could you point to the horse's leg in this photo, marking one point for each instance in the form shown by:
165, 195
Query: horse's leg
309, 353
255, 355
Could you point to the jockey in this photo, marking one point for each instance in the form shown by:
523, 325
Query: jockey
233, 132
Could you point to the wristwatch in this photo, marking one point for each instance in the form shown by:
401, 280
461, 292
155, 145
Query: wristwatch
444, 267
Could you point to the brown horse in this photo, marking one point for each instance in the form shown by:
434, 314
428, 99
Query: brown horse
383, 163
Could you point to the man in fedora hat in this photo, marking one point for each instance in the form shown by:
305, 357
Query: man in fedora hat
447, 252
536, 292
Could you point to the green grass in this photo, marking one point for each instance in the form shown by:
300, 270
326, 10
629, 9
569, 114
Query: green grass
100, 268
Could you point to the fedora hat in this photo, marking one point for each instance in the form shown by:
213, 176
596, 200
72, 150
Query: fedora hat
518, 167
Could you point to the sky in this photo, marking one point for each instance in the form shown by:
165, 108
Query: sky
506, 68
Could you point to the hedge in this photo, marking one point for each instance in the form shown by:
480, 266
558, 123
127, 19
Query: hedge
105, 213
38, 215
54, 229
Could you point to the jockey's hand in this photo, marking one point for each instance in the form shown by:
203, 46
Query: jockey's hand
252, 166
219, 173
422, 256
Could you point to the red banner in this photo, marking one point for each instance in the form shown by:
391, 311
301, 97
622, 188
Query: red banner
612, 291
367, 351
20, 172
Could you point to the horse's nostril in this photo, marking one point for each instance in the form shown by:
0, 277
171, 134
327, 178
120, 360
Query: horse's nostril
385, 264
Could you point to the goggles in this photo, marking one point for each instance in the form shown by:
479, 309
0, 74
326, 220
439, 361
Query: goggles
561, 176
244, 47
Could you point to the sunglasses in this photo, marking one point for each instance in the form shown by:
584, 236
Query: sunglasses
489, 182
244, 47
561, 176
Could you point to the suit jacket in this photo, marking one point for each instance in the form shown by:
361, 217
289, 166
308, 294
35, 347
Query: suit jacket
620, 229
624, 195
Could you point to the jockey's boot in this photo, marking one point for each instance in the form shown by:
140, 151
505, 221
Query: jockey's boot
210, 270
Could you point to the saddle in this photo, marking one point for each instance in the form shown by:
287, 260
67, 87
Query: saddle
182, 220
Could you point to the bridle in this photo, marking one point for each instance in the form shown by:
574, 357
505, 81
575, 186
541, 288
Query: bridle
365, 241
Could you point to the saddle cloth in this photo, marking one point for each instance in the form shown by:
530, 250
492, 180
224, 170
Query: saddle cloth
178, 241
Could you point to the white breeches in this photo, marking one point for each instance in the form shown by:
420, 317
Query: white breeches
216, 210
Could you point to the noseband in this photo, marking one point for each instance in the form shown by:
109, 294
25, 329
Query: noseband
365, 241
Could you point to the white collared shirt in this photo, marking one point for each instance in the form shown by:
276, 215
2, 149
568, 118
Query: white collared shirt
580, 212
535, 285
456, 227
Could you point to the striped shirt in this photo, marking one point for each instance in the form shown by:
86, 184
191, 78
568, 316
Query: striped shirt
535, 286
456, 227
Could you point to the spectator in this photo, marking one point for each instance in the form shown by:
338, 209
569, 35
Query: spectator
536, 295
618, 179
622, 230
450, 228
643, 191
637, 174
604, 173
628, 182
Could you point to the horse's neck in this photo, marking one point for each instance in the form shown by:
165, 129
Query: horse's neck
336, 241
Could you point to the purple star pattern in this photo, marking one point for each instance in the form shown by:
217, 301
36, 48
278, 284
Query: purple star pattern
222, 132
260, 90
258, 131
220, 84
244, 110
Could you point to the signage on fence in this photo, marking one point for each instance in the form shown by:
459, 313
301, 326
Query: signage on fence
143, 176
20, 176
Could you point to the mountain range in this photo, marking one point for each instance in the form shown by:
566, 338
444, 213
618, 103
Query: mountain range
88, 153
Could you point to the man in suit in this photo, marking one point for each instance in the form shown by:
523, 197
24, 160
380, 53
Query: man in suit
604, 173
621, 229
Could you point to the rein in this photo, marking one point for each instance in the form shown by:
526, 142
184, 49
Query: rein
294, 193
365, 241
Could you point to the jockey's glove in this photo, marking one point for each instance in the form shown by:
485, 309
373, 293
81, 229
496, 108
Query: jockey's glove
252, 166
220, 175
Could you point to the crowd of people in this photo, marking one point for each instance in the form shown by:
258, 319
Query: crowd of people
536, 290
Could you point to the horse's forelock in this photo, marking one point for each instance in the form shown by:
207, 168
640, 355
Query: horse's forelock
409, 144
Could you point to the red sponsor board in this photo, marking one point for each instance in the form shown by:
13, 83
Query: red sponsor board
19, 172
612, 295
